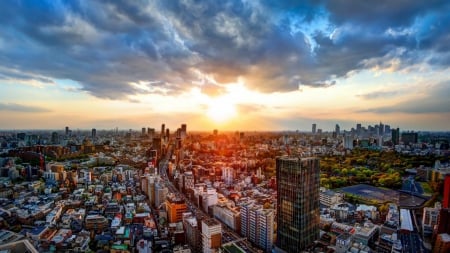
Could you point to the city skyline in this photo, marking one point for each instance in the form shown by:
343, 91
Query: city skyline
227, 65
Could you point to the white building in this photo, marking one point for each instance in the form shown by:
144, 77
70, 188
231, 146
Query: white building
228, 215
257, 224
430, 218
227, 175
211, 235
329, 197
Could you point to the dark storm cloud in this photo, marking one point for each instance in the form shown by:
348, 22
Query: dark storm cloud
21, 108
172, 45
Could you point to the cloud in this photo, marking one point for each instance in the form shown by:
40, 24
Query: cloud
106, 46
435, 100
21, 108
379, 94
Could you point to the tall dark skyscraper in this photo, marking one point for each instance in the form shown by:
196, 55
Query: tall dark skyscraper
94, 133
163, 129
395, 133
314, 128
298, 183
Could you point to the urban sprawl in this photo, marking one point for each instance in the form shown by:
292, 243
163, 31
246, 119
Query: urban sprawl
367, 189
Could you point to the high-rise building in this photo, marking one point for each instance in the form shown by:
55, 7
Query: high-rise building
94, 133
183, 132
381, 129
227, 175
410, 138
358, 128
297, 202
211, 235
55, 138
143, 131
163, 130
175, 209
314, 128
161, 192
337, 129
193, 236
387, 129
151, 133
430, 218
257, 225
395, 133
67, 130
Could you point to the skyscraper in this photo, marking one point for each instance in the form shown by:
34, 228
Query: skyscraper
163, 129
297, 203
314, 128
358, 128
183, 131
337, 129
94, 133
395, 133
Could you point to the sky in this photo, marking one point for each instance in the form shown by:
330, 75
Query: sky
231, 65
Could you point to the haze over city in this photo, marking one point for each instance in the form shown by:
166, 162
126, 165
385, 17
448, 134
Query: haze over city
247, 65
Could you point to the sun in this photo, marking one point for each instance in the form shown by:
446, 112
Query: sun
220, 110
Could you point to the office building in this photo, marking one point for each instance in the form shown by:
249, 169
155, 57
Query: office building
297, 202
348, 141
151, 133
430, 218
211, 235
175, 209
337, 129
193, 236
93, 133
183, 132
161, 192
55, 138
314, 126
410, 138
189, 180
227, 175
167, 136
257, 224
395, 133
228, 215
163, 130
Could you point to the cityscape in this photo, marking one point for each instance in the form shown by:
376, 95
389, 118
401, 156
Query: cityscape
367, 189
229, 126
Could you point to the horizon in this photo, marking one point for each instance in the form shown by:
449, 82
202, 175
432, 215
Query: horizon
228, 65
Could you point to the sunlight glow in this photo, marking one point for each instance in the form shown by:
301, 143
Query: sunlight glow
221, 110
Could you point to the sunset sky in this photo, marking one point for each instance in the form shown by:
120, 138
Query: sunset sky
231, 65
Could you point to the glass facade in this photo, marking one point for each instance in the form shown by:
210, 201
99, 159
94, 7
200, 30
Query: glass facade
298, 182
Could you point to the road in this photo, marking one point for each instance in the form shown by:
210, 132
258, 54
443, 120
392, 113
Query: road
228, 235
411, 241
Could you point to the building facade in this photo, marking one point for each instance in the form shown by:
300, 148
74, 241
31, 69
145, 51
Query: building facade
297, 203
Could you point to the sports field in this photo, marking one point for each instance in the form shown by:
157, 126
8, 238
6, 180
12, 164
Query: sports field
382, 195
